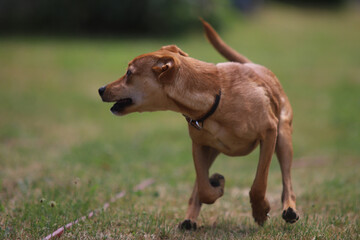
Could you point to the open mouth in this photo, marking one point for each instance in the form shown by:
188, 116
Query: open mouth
121, 105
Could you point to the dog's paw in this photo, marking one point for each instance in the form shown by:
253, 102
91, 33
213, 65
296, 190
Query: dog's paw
260, 211
187, 225
290, 215
217, 180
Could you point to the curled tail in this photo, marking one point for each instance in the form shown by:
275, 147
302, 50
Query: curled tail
229, 53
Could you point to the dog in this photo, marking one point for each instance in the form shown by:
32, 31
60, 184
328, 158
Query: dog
230, 107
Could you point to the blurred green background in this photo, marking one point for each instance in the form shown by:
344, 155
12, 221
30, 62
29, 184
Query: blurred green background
141, 17
59, 142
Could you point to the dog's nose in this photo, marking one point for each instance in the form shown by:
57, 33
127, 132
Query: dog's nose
102, 90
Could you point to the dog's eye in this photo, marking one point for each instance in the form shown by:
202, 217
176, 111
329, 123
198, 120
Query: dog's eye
128, 73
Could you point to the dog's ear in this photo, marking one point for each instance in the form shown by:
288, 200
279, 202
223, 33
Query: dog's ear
165, 69
174, 49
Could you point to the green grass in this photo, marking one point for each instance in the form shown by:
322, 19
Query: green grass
60, 143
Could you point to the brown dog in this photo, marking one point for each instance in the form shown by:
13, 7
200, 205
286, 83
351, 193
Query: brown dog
231, 108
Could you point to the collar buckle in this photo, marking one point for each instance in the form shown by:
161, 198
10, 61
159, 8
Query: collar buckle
196, 124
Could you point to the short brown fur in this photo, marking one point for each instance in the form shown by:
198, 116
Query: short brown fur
253, 110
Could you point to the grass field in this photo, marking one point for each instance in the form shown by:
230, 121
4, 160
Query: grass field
59, 143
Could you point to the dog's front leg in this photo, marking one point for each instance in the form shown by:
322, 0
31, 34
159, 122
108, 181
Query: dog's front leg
209, 189
259, 204
205, 190
193, 211
209, 155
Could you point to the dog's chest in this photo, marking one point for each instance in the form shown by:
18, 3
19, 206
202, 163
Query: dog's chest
227, 141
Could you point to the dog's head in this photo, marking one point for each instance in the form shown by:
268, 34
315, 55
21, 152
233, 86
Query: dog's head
142, 87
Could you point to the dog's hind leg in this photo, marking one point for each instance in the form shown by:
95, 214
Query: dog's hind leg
284, 152
207, 156
259, 204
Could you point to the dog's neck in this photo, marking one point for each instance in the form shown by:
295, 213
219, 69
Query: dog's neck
194, 90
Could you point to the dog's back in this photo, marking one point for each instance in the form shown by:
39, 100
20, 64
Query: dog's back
259, 74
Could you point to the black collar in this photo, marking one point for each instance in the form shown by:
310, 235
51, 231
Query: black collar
196, 123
